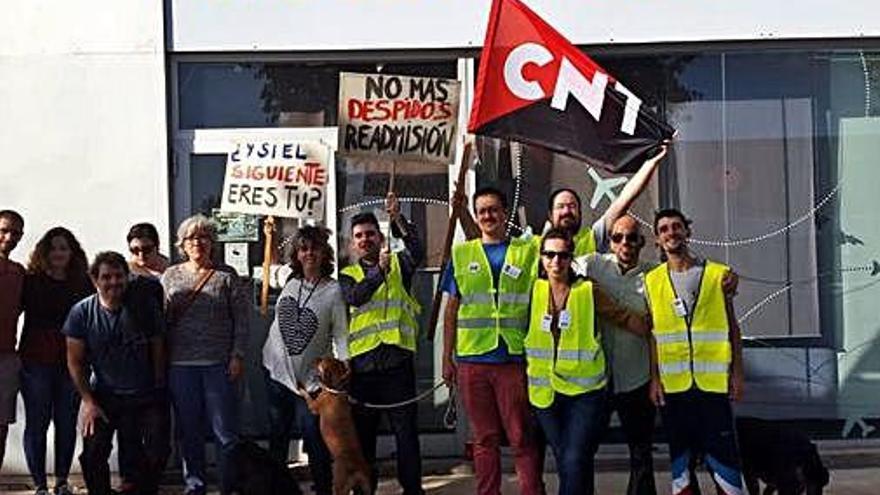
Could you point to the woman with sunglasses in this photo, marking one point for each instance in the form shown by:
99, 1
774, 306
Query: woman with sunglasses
146, 265
143, 244
565, 361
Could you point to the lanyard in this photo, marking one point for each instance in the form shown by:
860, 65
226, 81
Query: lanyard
300, 303
554, 311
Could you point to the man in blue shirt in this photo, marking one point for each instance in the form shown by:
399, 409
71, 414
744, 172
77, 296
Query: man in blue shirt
490, 372
120, 342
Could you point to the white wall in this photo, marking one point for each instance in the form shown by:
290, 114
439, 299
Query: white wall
248, 25
82, 124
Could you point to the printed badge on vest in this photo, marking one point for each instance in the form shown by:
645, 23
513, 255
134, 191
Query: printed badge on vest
512, 271
564, 319
547, 323
679, 307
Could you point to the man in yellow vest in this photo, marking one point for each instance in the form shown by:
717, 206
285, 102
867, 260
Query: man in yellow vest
564, 211
382, 336
486, 319
620, 273
696, 358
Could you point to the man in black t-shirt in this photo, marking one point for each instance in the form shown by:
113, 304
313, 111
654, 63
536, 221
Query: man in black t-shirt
122, 343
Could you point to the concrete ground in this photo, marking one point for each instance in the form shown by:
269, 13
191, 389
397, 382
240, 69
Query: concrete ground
854, 466
859, 481
843, 482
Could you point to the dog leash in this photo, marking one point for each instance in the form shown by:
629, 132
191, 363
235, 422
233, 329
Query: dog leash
450, 416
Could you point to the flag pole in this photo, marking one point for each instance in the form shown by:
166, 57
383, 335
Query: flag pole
450, 235
391, 179
269, 231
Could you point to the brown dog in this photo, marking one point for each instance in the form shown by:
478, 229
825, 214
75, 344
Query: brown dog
350, 468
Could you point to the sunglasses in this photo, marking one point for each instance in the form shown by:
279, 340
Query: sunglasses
562, 255
140, 250
631, 238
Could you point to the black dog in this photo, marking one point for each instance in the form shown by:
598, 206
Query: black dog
783, 458
260, 474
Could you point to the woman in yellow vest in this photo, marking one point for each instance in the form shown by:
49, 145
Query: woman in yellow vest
565, 362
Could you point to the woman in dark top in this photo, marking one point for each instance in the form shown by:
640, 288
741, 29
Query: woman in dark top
56, 280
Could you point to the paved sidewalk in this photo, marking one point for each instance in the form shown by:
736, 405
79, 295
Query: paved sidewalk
843, 482
859, 481
854, 466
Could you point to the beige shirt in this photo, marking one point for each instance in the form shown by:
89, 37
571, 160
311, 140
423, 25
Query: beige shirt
627, 354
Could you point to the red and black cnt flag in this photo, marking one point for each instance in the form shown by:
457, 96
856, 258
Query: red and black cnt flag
534, 86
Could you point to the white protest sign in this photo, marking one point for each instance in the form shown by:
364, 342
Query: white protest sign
282, 178
398, 117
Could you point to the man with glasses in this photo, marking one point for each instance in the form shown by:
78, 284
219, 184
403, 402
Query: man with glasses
564, 211
11, 283
485, 322
619, 273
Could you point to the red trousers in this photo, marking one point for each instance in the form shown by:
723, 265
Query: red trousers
495, 397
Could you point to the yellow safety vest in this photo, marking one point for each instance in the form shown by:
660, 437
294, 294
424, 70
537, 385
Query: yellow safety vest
699, 353
389, 317
584, 242
577, 363
482, 316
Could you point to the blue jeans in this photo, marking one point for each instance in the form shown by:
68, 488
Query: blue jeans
288, 411
573, 426
204, 395
49, 395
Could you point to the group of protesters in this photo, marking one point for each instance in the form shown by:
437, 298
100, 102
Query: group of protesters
544, 336
113, 341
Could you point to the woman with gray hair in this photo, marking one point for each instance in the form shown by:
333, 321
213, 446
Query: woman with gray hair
207, 313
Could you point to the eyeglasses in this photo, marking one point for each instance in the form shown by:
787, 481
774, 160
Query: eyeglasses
197, 237
136, 250
631, 238
562, 255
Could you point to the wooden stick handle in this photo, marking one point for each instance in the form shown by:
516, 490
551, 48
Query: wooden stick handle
450, 235
392, 176
269, 231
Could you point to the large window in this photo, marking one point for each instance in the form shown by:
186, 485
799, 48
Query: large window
774, 162
256, 95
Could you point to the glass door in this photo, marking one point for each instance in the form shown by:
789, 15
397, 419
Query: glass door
199, 166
